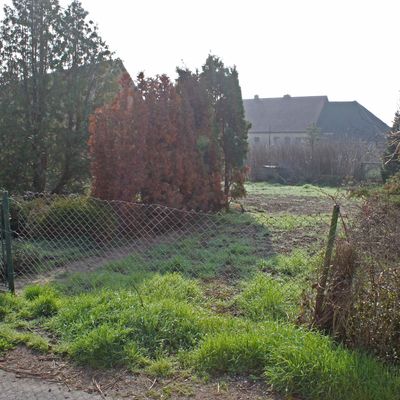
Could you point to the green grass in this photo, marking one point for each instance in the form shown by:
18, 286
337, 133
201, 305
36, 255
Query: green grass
291, 222
165, 324
267, 298
45, 305
11, 337
297, 265
297, 362
153, 312
162, 367
100, 327
39, 256
271, 189
221, 255
9, 306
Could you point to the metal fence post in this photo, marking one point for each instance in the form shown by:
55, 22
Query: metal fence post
319, 301
7, 237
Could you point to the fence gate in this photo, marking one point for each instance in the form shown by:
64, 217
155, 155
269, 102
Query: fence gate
6, 259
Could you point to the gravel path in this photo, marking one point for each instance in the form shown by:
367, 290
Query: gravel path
13, 388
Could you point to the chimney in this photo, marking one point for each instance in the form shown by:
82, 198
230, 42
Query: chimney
256, 97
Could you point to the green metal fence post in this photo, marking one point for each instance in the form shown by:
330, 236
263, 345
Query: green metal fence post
319, 301
7, 237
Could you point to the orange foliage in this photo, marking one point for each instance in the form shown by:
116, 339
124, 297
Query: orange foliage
151, 145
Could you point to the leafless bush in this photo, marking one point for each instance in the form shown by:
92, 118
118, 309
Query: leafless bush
362, 297
327, 161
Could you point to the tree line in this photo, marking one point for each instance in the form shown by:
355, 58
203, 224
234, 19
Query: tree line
180, 143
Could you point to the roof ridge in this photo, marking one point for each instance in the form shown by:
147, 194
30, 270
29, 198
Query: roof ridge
284, 98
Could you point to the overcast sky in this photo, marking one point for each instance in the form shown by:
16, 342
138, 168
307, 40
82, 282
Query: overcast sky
345, 49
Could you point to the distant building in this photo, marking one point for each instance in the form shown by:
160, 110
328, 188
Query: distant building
311, 138
286, 120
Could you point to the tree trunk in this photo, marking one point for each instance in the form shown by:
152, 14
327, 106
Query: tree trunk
39, 173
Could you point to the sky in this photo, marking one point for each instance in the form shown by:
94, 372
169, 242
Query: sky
345, 49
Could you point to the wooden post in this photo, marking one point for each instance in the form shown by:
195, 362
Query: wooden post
7, 238
319, 301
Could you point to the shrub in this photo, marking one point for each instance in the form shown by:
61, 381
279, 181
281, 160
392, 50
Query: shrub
18, 214
330, 161
71, 218
392, 185
360, 305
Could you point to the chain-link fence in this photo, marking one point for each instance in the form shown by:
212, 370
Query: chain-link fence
83, 243
349, 288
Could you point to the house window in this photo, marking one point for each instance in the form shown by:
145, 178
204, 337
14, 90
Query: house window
256, 139
287, 140
277, 140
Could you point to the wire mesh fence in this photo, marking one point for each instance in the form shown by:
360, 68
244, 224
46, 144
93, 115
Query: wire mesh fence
85, 243
80, 244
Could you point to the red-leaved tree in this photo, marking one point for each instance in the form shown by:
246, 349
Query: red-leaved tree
117, 143
150, 145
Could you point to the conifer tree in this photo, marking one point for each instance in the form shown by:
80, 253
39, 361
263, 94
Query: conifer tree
53, 64
179, 147
231, 128
391, 160
28, 52
85, 67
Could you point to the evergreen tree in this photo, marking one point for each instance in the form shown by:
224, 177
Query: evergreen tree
84, 66
180, 141
391, 161
154, 143
53, 64
205, 180
117, 145
28, 43
230, 126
